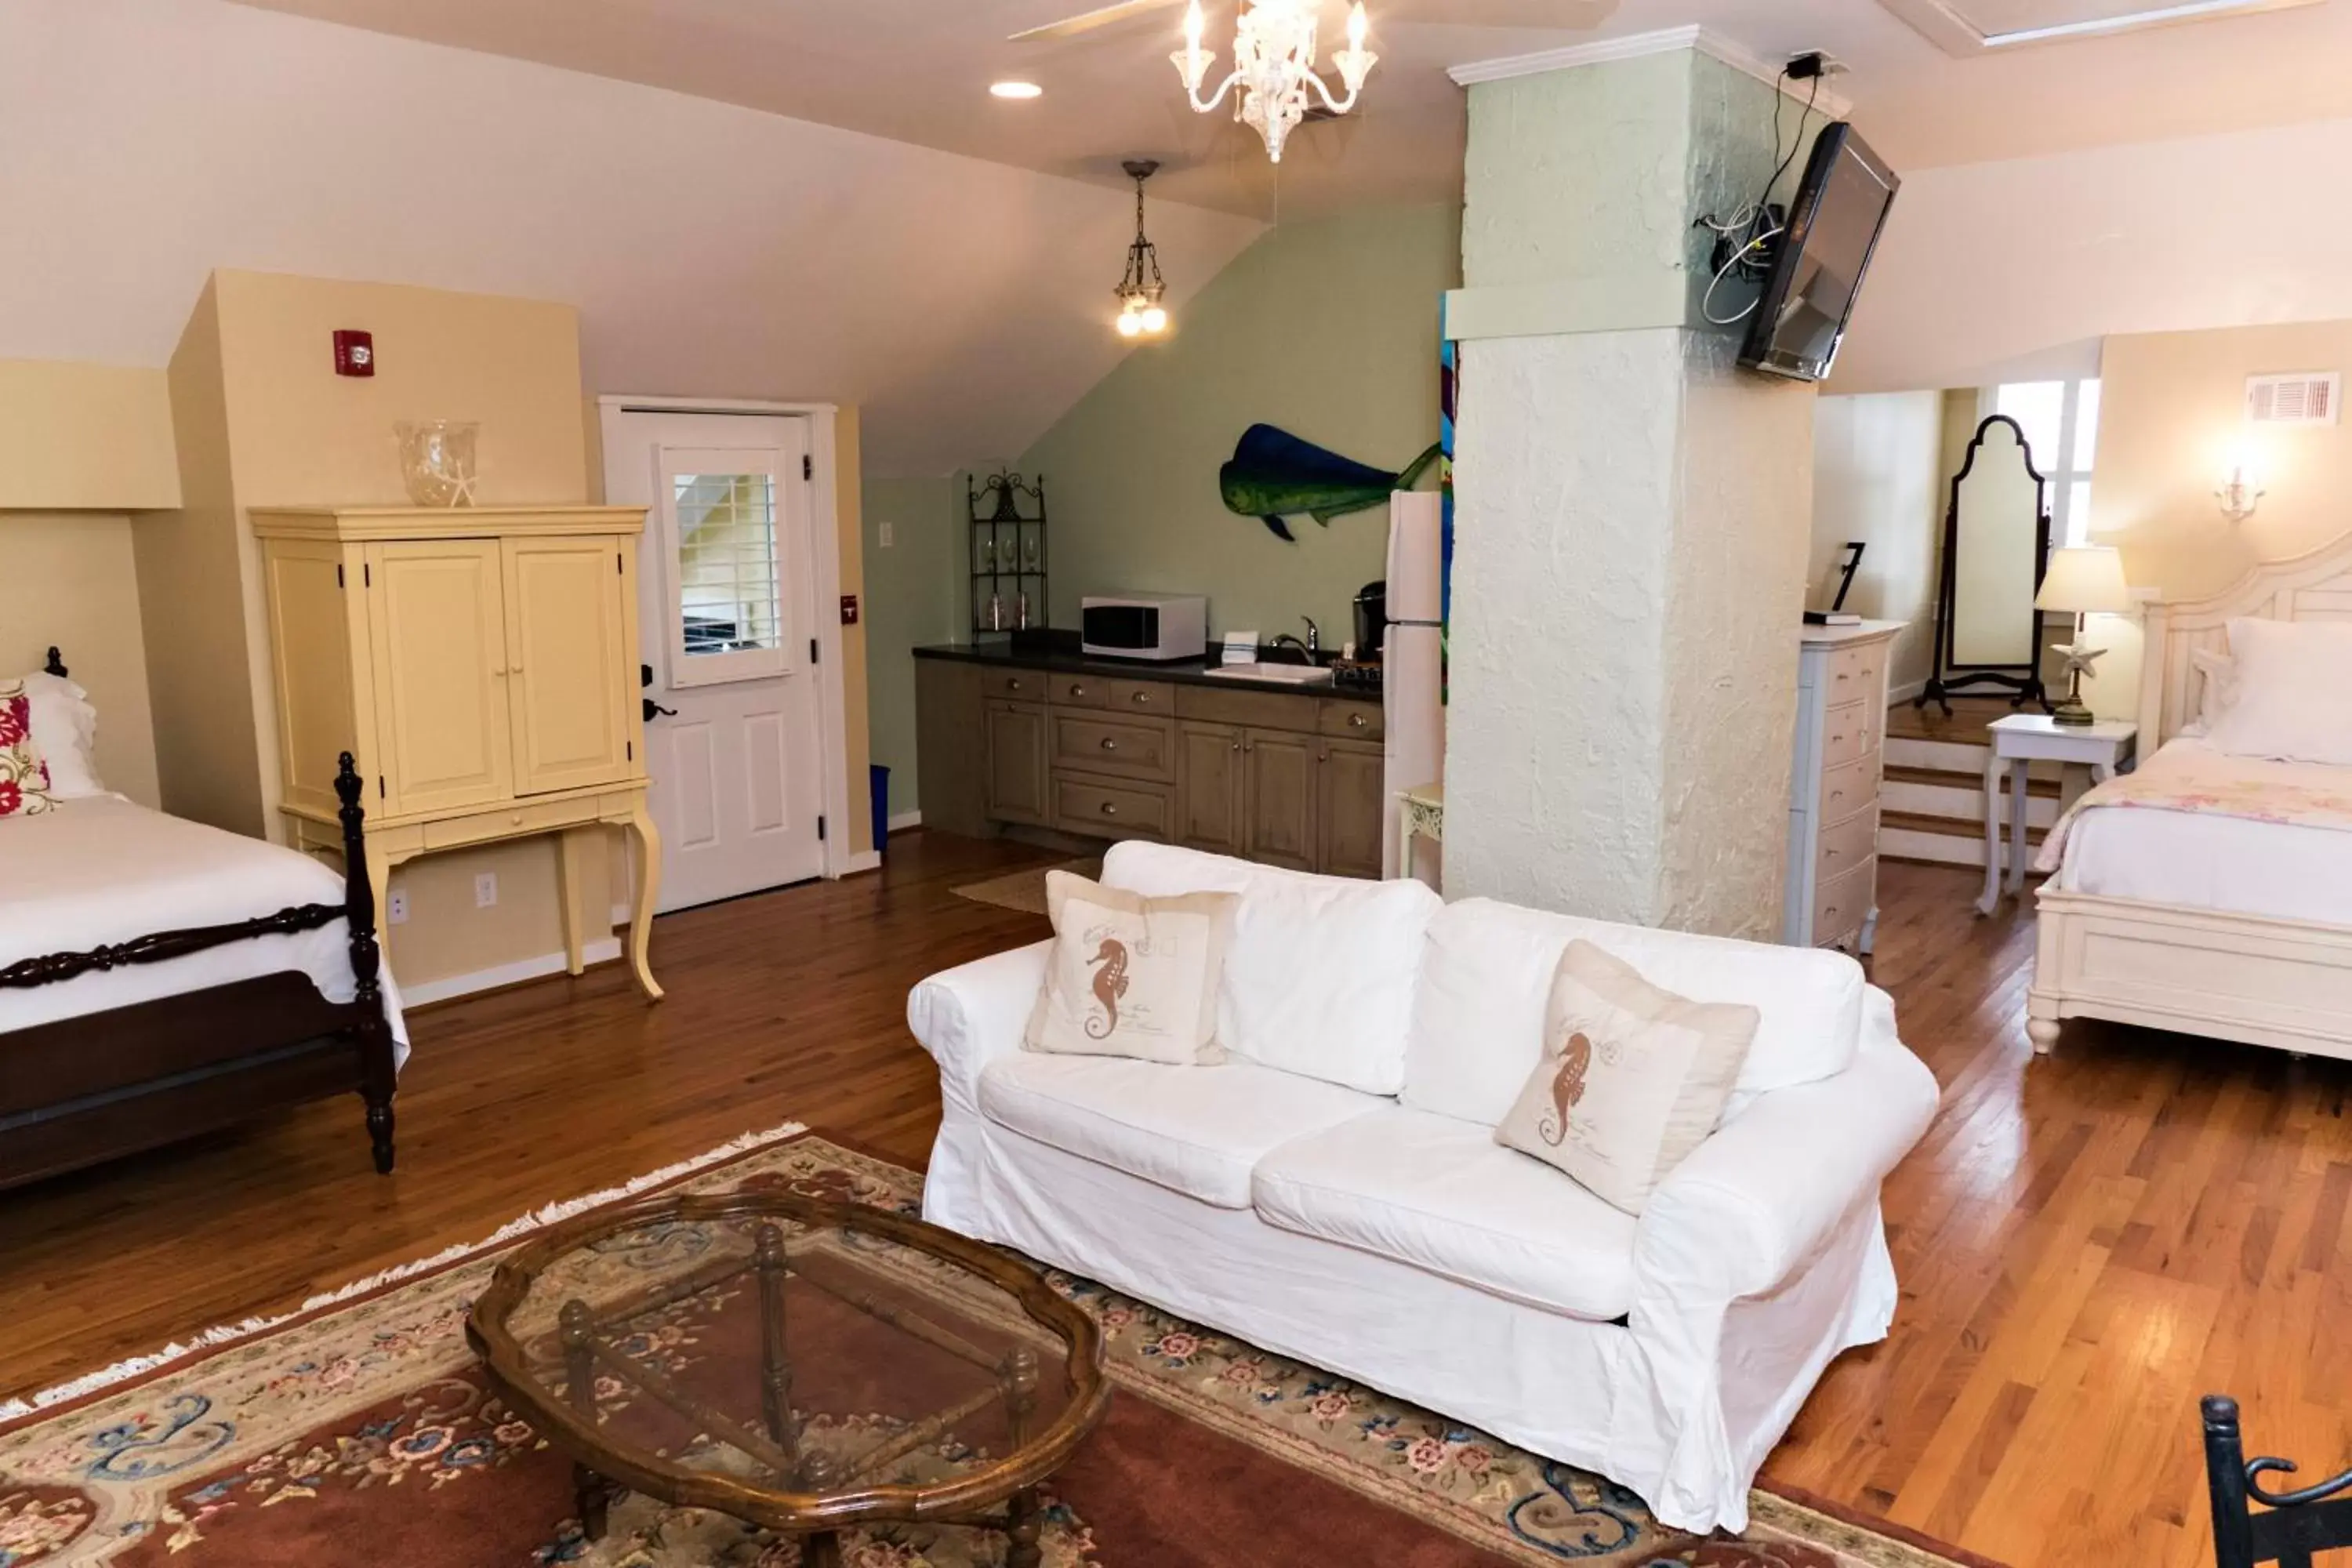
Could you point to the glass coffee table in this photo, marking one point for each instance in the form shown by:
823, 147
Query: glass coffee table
803, 1365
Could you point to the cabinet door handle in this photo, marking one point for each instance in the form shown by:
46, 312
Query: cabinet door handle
1237, 745
1109, 744
1111, 808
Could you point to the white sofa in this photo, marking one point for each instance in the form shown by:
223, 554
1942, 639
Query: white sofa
1334, 1192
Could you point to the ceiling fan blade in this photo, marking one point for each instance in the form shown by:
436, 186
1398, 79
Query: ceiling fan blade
1087, 21
1580, 14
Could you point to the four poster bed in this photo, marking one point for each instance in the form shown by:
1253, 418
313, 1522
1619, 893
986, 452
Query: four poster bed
159, 978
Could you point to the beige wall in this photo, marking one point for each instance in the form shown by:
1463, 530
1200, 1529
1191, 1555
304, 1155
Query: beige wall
83, 598
914, 595
85, 437
1879, 476
2171, 418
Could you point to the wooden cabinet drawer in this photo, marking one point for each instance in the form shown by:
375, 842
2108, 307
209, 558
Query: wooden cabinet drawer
1020, 685
1079, 691
1850, 734
1854, 674
1258, 710
1345, 720
509, 821
1849, 788
1155, 698
1845, 845
1842, 903
1130, 748
1109, 809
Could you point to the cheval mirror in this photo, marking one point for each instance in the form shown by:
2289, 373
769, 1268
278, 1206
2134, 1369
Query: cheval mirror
1996, 545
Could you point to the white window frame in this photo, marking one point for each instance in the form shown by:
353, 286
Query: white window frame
2061, 476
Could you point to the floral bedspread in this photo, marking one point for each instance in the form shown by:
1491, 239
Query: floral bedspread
2190, 776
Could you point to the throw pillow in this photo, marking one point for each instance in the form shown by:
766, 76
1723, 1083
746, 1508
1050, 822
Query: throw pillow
2218, 689
2290, 701
1632, 1078
1131, 976
24, 775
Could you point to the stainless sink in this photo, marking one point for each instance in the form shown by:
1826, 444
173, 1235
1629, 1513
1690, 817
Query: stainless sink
1287, 674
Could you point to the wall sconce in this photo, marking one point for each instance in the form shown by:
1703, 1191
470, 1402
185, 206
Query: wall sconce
2239, 493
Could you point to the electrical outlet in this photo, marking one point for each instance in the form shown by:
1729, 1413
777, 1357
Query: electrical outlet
486, 890
396, 907
885, 531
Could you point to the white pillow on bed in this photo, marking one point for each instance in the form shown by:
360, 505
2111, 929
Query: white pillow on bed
64, 727
2291, 696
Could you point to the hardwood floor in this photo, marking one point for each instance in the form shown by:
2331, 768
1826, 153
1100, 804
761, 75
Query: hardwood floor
2086, 1242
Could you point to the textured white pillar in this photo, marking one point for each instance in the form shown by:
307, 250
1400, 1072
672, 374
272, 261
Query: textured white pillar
1633, 511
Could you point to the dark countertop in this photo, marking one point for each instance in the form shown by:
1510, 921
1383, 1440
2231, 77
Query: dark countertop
1066, 659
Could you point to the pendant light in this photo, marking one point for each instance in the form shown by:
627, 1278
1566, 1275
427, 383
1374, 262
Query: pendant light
1140, 313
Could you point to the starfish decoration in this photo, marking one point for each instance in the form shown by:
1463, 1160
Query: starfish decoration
2080, 657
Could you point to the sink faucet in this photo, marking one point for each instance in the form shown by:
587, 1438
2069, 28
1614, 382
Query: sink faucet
1311, 644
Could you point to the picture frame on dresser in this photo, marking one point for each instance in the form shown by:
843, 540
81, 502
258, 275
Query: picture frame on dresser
1830, 890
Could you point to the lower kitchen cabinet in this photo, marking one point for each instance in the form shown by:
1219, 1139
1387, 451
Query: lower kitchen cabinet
1280, 790
1351, 829
1212, 794
1020, 777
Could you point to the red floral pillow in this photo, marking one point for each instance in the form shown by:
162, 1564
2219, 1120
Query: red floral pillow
23, 776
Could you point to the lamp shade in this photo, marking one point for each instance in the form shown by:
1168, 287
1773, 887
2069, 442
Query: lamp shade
2085, 580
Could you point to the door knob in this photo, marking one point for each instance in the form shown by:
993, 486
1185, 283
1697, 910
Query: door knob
653, 708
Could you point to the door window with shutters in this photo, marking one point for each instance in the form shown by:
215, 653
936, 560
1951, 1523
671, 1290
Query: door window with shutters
735, 543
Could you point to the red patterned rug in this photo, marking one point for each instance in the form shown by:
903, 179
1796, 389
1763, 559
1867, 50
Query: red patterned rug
361, 1429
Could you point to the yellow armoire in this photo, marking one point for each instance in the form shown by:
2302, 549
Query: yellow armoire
481, 664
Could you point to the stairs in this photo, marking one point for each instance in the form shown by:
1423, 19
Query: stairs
1931, 797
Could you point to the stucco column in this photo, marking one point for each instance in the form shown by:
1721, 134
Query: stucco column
1633, 511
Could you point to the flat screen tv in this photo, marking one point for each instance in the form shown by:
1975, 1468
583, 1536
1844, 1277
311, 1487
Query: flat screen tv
1817, 266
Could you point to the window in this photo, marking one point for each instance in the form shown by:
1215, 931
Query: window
734, 538
2061, 421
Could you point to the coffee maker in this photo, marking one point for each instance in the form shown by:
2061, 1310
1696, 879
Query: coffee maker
1371, 619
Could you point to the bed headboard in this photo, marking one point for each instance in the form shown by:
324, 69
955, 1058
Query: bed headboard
2317, 586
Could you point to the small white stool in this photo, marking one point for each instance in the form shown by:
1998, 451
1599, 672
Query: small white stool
2023, 738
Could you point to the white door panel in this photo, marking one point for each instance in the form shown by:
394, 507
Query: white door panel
729, 605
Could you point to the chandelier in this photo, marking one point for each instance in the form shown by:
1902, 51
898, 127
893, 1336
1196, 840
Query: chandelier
1139, 311
1274, 65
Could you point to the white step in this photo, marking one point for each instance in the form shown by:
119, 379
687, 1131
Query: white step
1960, 803
1945, 849
1945, 756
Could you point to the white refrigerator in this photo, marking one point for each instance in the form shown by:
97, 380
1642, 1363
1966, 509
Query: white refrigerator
1413, 673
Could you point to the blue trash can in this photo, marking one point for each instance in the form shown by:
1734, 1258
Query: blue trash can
879, 777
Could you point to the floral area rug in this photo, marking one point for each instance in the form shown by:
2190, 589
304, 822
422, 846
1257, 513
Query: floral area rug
363, 1431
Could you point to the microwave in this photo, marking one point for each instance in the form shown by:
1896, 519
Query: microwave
1144, 625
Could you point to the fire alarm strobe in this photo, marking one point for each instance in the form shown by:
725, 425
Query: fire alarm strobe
354, 352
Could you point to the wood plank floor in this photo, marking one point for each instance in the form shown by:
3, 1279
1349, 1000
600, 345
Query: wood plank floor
2086, 1242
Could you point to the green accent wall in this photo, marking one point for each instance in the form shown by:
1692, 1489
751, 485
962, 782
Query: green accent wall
911, 598
1328, 329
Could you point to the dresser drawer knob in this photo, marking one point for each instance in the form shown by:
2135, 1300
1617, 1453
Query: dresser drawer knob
1013, 685
516, 819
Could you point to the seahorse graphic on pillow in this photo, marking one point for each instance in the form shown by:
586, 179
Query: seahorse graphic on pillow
1567, 1087
1110, 984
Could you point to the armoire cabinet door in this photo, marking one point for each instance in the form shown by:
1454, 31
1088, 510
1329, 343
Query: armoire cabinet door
437, 622
570, 679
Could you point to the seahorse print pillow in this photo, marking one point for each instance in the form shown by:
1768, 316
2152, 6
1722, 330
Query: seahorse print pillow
1131, 976
1632, 1078
23, 774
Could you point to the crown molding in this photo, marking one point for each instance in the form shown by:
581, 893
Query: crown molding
1635, 46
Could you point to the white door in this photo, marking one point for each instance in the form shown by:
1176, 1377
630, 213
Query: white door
729, 606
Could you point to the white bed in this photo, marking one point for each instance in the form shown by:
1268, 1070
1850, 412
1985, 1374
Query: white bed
2285, 870
2211, 924
101, 870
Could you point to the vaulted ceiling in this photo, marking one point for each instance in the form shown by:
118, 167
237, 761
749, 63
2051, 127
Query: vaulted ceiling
916, 70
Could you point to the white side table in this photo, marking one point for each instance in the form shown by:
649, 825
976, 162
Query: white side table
1421, 813
2023, 738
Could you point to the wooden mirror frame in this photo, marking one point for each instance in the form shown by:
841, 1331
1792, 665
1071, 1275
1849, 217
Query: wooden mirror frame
2022, 681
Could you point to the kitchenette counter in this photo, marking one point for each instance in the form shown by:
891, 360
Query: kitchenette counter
1069, 660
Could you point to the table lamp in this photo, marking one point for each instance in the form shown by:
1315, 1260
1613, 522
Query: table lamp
2081, 580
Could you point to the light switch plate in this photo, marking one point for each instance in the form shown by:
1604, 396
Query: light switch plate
885, 535
486, 890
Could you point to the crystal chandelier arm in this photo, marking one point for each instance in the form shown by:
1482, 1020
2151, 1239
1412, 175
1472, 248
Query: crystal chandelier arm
1192, 81
1337, 105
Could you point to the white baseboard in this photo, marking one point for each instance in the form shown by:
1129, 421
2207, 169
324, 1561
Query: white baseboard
601, 950
871, 860
903, 820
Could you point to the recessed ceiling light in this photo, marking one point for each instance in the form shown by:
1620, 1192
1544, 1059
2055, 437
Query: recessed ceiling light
1016, 90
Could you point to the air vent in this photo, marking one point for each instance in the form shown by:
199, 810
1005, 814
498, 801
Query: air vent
2311, 397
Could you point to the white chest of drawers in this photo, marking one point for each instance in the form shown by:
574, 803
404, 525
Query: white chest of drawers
1833, 882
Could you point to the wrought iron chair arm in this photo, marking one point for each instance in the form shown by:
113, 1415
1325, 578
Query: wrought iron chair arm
2326, 1488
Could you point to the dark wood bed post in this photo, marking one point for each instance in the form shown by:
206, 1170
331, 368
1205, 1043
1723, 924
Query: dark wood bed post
378, 1075
56, 665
